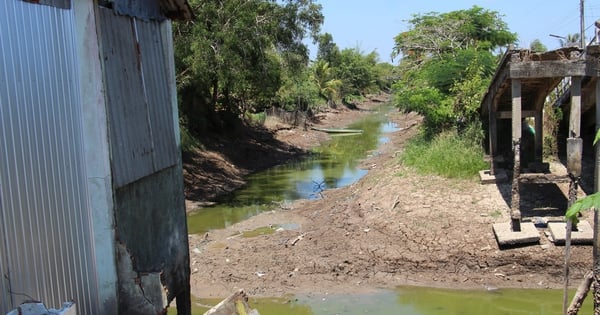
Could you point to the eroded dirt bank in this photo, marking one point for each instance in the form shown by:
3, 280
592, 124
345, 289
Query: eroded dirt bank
393, 227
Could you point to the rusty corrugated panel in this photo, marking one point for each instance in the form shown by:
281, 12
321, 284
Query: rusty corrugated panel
154, 9
63, 4
140, 117
46, 250
142, 9
158, 93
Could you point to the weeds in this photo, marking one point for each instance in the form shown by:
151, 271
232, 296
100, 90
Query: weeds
447, 155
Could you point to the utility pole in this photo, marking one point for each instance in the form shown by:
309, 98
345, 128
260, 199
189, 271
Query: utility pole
582, 24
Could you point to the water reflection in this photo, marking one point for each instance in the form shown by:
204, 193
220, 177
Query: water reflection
332, 165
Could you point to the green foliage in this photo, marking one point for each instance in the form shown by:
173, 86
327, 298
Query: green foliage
357, 72
537, 46
588, 203
429, 102
348, 73
435, 34
447, 64
448, 154
298, 92
233, 55
188, 141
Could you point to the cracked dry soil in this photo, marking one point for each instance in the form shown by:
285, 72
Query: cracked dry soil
393, 227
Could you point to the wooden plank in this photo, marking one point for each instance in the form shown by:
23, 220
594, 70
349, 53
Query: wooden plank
508, 114
542, 178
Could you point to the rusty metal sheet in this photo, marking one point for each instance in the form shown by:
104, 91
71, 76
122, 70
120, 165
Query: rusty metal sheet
141, 123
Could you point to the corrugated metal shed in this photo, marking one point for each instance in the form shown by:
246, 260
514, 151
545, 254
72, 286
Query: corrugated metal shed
46, 247
140, 114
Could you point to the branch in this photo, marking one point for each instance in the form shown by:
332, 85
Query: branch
581, 293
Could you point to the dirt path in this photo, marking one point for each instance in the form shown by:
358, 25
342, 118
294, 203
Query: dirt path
393, 227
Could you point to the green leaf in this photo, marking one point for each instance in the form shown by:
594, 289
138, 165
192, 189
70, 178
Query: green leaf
597, 137
589, 202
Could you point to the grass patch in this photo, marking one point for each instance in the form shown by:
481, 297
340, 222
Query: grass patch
447, 155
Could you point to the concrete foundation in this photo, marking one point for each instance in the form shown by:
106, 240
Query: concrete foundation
486, 178
583, 236
507, 237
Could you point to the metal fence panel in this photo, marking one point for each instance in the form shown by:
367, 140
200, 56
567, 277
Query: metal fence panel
46, 236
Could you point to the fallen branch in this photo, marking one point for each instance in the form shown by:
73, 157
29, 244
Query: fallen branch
294, 241
581, 293
395, 203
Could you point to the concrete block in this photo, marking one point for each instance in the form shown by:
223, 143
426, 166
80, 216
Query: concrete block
507, 237
583, 236
486, 178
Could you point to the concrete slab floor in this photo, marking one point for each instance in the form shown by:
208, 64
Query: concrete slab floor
486, 178
583, 236
507, 237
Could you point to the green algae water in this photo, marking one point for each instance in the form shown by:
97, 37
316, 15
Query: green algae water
332, 165
415, 301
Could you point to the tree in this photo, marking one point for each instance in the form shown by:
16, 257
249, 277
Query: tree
329, 87
231, 58
447, 61
571, 40
434, 34
537, 46
328, 50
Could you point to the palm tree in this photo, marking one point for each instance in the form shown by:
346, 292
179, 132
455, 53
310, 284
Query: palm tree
571, 40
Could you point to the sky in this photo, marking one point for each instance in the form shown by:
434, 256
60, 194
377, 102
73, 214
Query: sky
372, 24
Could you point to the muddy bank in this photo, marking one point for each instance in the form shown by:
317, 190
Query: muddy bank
393, 227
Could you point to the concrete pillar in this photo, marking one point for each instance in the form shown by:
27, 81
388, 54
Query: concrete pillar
493, 136
597, 157
539, 136
515, 206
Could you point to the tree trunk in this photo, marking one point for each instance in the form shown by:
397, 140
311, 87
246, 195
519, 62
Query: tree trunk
581, 293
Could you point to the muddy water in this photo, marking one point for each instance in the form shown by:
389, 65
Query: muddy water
416, 301
332, 165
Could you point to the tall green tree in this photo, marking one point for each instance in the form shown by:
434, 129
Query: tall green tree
447, 61
231, 57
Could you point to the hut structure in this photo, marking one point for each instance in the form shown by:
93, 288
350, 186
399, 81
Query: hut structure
91, 190
514, 108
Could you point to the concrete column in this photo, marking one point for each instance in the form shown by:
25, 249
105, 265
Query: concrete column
575, 114
539, 136
515, 207
597, 157
493, 136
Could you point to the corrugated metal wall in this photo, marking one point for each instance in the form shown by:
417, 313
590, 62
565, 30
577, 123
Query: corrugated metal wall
46, 243
140, 112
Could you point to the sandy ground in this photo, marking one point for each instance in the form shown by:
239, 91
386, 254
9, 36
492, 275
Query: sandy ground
393, 227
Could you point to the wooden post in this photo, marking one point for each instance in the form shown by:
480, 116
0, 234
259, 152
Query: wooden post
515, 206
493, 135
